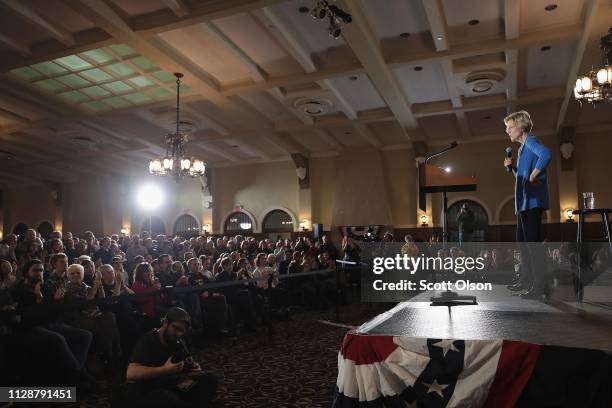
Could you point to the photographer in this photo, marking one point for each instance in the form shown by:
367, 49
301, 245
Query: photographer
161, 372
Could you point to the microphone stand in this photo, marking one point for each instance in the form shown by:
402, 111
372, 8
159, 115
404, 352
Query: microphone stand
444, 196
448, 298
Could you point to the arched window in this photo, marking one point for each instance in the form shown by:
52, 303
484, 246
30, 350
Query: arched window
277, 221
156, 226
45, 229
481, 220
186, 224
238, 223
20, 229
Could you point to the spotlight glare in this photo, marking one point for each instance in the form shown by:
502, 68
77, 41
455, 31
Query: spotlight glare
149, 197
447, 169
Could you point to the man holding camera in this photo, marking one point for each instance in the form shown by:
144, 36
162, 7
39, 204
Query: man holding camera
162, 373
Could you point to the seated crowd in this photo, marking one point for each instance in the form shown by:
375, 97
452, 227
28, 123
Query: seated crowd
71, 304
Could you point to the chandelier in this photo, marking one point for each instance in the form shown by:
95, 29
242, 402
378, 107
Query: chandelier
596, 85
175, 163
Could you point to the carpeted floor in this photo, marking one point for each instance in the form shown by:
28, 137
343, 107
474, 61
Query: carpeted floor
295, 367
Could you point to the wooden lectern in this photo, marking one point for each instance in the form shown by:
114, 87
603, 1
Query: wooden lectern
433, 179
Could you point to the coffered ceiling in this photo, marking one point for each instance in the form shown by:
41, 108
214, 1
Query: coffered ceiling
87, 85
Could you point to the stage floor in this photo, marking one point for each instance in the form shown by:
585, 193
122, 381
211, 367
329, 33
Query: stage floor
499, 315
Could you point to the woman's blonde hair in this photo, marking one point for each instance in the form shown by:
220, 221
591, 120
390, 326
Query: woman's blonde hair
521, 119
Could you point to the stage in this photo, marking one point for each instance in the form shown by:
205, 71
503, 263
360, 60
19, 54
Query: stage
500, 314
503, 352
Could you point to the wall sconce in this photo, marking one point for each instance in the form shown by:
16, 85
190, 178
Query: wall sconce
304, 224
206, 228
424, 219
568, 215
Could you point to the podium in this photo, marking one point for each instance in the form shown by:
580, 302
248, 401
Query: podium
433, 179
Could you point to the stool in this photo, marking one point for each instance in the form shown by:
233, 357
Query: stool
579, 237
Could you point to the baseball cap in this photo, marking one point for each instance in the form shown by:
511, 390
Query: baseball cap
176, 314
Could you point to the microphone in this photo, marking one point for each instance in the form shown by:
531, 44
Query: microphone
446, 149
509, 155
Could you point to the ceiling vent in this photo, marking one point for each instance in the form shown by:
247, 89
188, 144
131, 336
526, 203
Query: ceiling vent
313, 107
479, 82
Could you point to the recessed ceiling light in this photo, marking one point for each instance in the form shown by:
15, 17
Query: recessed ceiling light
418, 68
545, 48
405, 35
550, 7
303, 9
473, 22
352, 78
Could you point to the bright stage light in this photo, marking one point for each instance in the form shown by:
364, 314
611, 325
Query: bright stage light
149, 197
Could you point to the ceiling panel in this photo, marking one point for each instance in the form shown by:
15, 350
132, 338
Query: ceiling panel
347, 136
439, 126
254, 40
389, 133
360, 93
203, 49
543, 115
549, 68
137, 7
311, 140
264, 103
102, 79
534, 16
426, 85
488, 13
396, 17
487, 122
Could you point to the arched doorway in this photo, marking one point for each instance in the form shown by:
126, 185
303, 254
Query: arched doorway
238, 223
186, 225
20, 229
278, 224
157, 226
481, 220
45, 229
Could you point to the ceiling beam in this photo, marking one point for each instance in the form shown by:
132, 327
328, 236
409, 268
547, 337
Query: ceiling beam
428, 109
439, 32
328, 138
365, 45
50, 49
21, 48
166, 20
366, 133
54, 30
512, 24
590, 14
170, 60
415, 58
488, 46
178, 7
295, 45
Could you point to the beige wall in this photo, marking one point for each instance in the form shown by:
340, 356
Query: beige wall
256, 187
592, 161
